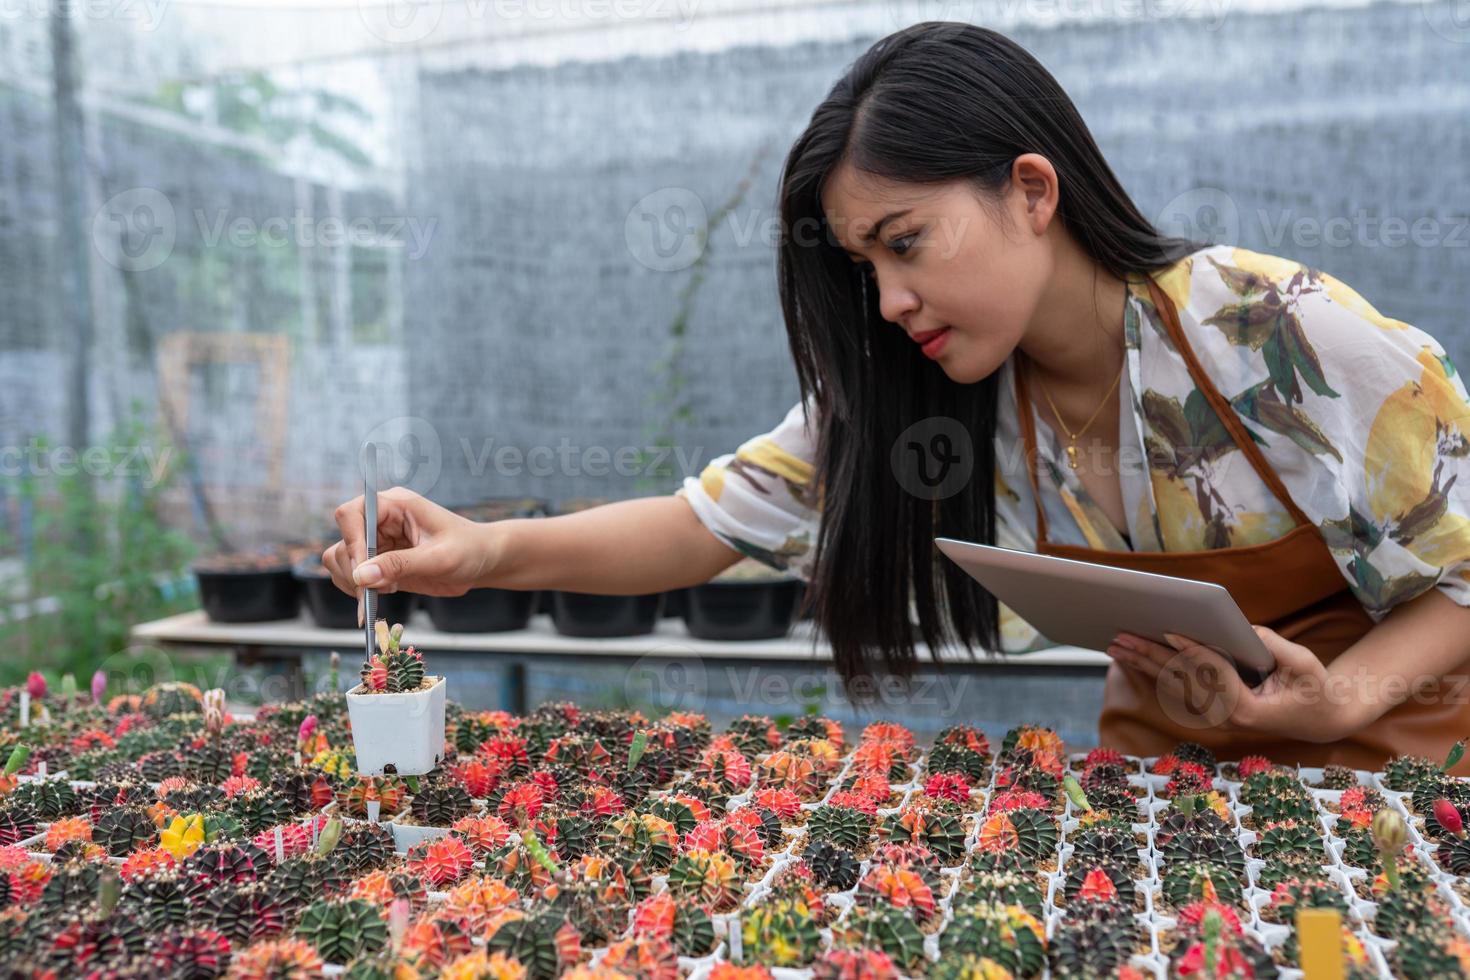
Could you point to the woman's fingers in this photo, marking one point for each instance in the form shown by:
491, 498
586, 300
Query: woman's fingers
1292, 656
337, 564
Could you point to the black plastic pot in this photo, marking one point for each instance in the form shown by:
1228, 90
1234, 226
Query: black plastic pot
248, 595
756, 610
333, 609
481, 610
583, 614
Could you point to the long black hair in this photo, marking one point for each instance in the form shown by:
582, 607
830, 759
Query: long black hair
933, 103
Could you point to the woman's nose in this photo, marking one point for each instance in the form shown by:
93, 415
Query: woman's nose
895, 303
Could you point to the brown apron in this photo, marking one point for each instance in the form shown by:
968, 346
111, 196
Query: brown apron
1291, 584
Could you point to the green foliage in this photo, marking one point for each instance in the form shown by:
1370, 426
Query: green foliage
99, 556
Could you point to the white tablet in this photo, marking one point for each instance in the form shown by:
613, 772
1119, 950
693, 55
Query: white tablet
1085, 604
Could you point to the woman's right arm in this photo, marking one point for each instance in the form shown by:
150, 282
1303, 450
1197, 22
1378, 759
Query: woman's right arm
630, 547
756, 502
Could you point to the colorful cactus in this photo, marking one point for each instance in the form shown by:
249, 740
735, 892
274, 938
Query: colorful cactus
394, 668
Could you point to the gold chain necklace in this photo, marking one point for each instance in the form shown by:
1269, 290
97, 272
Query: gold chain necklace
1072, 437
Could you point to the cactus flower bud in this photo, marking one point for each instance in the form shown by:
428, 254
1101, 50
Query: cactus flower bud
1075, 793
99, 686
1449, 817
18, 758
1390, 834
307, 729
1457, 752
636, 750
331, 833
36, 685
397, 922
214, 710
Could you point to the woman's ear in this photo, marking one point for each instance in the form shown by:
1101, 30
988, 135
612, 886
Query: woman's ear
1035, 180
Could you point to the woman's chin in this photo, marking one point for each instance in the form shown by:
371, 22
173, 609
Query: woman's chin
966, 367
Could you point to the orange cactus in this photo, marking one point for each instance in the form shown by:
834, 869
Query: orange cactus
434, 940
901, 888
146, 862
377, 886
482, 965
66, 830
998, 834
875, 757
482, 833
893, 734
787, 769
646, 957
478, 898
729, 971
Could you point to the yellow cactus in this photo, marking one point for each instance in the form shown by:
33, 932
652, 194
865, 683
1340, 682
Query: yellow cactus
183, 836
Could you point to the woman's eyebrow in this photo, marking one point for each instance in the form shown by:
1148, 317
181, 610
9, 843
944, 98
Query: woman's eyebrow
872, 235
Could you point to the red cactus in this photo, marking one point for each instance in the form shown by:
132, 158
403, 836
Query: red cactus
1102, 756
442, 861
1016, 799
855, 800
1097, 887
948, 786
479, 776
785, 804
520, 804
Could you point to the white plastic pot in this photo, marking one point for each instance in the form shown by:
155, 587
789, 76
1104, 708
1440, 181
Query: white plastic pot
407, 835
405, 731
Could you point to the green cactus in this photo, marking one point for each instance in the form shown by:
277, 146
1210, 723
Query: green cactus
781, 931
343, 929
890, 929
842, 825
1184, 883
1007, 934
440, 804
123, 830
832, 866
1003, 888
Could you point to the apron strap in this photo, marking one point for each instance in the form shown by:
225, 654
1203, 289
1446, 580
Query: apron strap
1222, 409
1028, 440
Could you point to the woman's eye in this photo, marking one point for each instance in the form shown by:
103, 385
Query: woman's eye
902, 245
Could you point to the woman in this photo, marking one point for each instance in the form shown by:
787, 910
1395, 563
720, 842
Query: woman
954, 243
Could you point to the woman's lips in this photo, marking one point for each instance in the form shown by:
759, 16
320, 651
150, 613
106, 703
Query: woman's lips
932, 341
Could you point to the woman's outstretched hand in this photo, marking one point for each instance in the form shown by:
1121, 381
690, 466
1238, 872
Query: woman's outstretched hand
1198, 687
422, 548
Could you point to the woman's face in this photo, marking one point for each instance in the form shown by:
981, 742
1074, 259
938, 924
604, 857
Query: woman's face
945, 261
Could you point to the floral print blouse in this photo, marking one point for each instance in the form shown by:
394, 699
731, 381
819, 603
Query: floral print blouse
1364, 418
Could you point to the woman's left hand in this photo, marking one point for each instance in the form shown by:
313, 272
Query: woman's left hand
1198, 687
